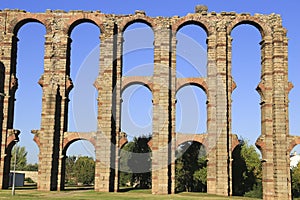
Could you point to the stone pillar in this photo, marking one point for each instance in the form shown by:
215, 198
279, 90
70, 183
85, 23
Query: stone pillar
265, 141
53, 82
161, 111
218, 171
105, 141
118, 37
211, 114
280, 119
222, 150
230, 87
172, 121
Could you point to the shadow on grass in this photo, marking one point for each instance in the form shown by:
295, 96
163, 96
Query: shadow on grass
25, 187
75, 188
131, 189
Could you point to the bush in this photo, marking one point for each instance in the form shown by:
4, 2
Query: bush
29, 180
256, 192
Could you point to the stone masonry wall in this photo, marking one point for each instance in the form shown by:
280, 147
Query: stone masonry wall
274, 142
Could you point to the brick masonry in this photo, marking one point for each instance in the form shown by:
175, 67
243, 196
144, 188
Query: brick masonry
53, 139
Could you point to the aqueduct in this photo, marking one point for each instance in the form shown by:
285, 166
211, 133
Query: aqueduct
274, 142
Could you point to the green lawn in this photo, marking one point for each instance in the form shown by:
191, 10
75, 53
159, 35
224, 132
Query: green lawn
90, 194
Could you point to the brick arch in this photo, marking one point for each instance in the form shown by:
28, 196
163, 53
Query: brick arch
199, 82
138, 18
136, 80
183, 138
36, 139
122, 142
192, 20
16, 25
263, 28
294, 141
13, 137
75, 21
203, 139
71, 137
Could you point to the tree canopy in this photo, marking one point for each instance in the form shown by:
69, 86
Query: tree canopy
21, 160
295, 174
79, 170
191, 168
135, 163
246, 171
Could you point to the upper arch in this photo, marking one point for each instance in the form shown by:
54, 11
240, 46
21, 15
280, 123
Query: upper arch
198, 82
16, 27
191, 20
71, 137
135, 19
263, 28
136, 80
77, 21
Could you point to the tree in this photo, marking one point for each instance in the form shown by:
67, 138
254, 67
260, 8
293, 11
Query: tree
21, 159
200, 175
85, 170
246, 171
125, 171
139, 162
135, 163
70, 170
295, 173
31, 167
191, 168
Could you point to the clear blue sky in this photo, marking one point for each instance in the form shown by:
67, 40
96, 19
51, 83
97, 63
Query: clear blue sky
246, 67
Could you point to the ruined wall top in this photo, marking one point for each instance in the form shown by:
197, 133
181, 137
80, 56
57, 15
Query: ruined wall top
64, 22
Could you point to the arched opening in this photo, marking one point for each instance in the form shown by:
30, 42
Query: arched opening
246, 68
246, 112
191, 55
136, 111
8, 165
138, 50
135, 165
136, 121
84, 68
295, 171
191, 114
78, 165
191, 167
28, 56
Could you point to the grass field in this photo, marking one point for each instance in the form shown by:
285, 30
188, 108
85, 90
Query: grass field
90, 194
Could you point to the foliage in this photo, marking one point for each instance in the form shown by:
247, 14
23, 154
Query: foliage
256, 192
246, 170
125, 172
21, 160
70, 174
85, 170
79, 170
190, 165
135, 163
295, 173
31, 167
28, 180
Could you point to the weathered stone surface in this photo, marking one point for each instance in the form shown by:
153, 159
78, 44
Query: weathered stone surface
53, 140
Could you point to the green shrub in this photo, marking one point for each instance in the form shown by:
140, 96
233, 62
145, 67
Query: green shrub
29, 180
256, 192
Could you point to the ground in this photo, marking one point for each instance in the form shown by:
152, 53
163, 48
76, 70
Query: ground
132, 195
